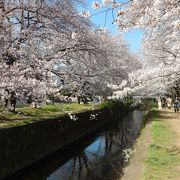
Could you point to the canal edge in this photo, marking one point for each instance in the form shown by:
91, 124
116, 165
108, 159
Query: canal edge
136, 167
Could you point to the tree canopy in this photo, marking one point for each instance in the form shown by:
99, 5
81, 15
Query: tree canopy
47, 42
161, 43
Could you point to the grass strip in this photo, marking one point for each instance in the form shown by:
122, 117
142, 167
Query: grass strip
163, 158
27, 115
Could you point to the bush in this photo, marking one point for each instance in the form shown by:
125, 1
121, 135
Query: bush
110, 103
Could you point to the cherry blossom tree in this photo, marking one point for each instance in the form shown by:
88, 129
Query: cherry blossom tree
46, 41
102, 59
28, 29
161, 42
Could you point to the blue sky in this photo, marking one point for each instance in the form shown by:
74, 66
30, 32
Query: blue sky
133, 37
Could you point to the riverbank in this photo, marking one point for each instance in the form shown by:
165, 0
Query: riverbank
28, 115
22, 145
157, 152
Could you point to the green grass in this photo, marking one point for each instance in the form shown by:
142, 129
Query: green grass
148, 104
109, 103
54, 109
29, 115
162, 156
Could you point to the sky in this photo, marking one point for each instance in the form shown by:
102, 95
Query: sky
133, 37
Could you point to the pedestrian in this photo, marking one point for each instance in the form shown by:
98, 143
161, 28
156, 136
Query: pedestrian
12, 100
176, 105
169, 101
6, 98
159, 104
33, 104
162, 102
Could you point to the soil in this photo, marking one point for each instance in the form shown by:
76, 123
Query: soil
136, 168
173, 120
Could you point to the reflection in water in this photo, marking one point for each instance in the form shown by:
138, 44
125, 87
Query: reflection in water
95, 158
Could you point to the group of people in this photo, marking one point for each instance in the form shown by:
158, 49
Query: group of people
168, 102
10, 99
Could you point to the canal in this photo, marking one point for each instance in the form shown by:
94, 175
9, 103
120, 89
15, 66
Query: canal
102, 155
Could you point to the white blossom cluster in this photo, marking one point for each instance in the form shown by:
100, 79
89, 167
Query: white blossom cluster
127, 154
73, 117
85, 14
97, 5
93, 116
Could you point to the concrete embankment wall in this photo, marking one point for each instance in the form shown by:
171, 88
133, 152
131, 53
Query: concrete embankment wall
23, 145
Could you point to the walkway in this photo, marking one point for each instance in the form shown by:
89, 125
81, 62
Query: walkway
137, 167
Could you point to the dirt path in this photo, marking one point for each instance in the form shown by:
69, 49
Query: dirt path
173, 120
136, 168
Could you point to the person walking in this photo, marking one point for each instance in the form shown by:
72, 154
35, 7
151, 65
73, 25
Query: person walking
159, 104
13, 100
6, 98
176, 105
169, 101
